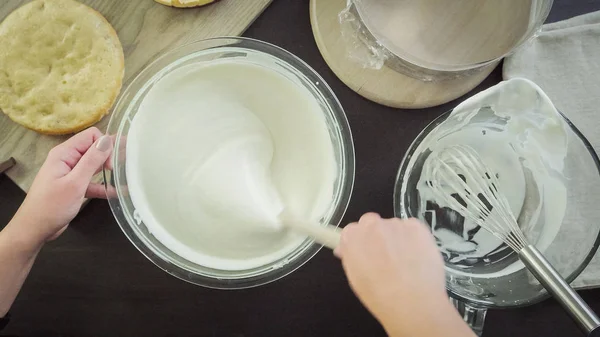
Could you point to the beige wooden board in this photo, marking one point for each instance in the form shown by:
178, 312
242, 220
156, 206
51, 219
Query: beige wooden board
145, 29
384, 86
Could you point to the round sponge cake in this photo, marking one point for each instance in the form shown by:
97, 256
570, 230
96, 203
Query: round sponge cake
185, 3
61, 66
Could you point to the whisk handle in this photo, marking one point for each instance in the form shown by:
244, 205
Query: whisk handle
548, 276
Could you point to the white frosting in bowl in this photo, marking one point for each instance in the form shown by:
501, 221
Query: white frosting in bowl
519, 134
218, 152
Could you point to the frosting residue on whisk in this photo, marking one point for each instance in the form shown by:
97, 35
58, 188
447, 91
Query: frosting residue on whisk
519, 134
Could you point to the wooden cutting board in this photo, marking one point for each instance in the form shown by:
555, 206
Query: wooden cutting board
145, 29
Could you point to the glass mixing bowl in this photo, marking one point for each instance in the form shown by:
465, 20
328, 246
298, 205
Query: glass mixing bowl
209, 50
569, 252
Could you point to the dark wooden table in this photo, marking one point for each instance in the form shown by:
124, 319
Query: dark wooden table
93, 282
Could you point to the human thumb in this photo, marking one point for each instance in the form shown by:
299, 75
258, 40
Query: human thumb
93, 159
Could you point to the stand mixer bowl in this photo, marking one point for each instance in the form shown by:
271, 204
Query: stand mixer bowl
437, 39
477, 284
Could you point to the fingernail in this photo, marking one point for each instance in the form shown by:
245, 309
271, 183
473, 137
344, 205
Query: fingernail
104, 143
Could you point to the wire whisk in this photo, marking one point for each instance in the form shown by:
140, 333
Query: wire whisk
460, 180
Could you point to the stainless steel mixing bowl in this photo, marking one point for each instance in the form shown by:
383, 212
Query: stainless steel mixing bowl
438, 39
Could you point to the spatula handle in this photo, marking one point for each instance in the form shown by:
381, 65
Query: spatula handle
328, 235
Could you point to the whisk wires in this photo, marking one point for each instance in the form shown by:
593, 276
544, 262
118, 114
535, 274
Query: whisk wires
463, 182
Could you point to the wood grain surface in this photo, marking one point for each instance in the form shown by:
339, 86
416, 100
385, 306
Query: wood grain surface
385, 86
145, 29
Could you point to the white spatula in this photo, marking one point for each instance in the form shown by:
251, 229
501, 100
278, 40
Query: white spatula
327, 235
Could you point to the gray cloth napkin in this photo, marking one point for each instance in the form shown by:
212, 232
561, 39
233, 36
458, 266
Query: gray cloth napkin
564, 60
